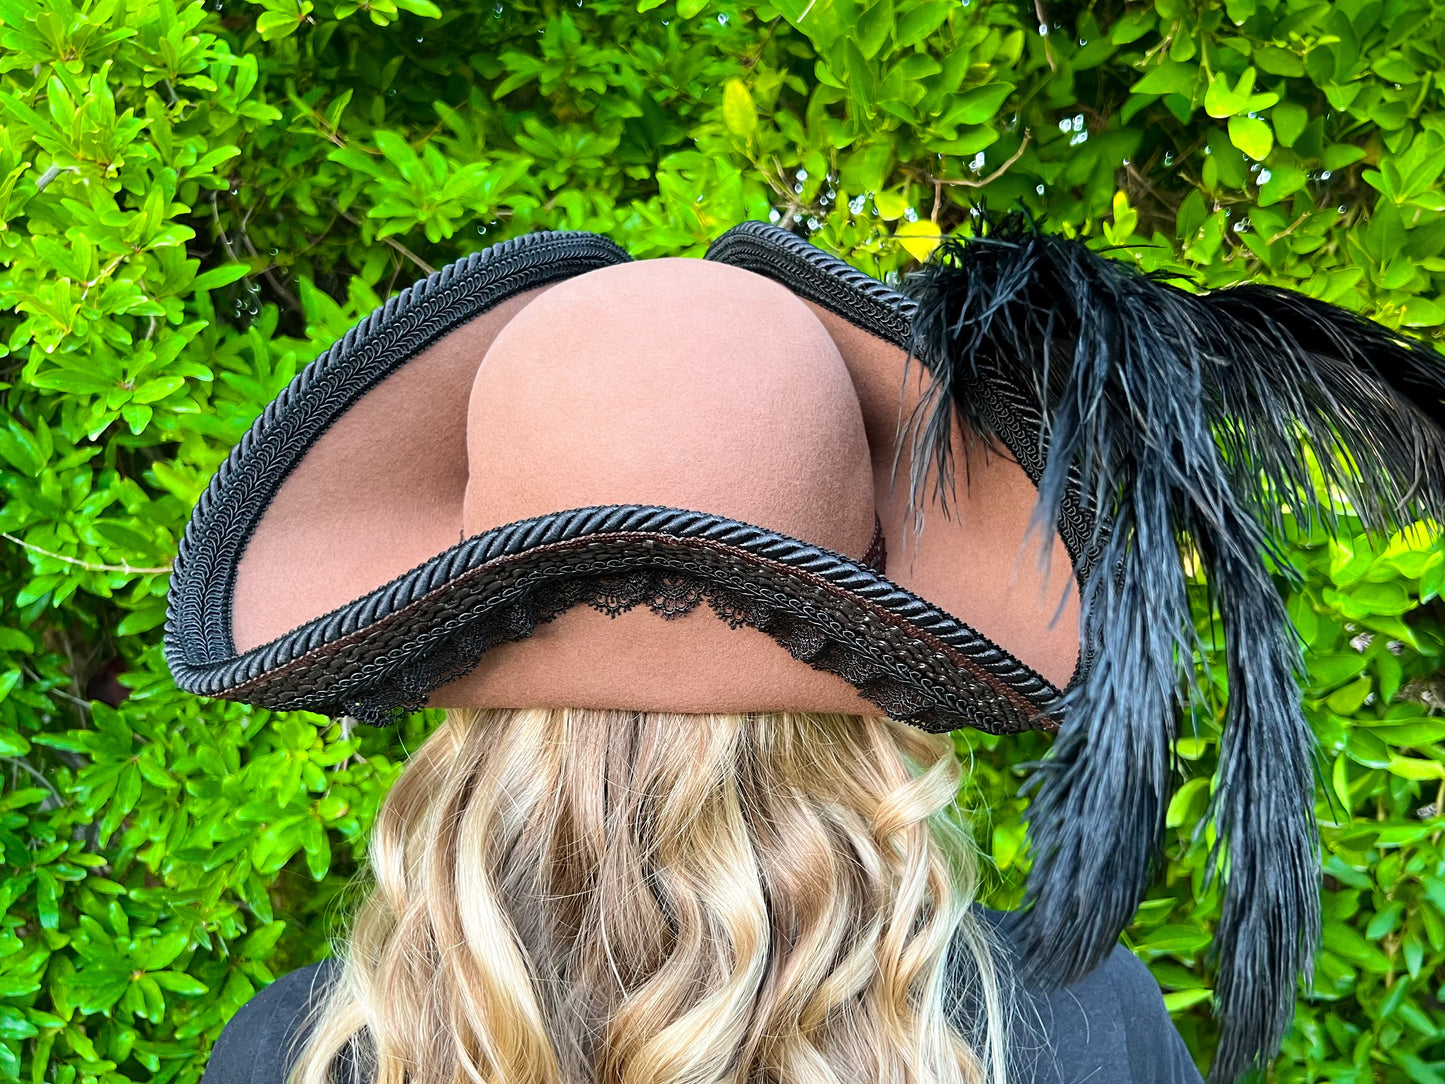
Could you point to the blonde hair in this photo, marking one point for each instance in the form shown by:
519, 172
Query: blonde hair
568, 895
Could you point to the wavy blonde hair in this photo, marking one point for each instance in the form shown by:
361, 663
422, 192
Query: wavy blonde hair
569, 895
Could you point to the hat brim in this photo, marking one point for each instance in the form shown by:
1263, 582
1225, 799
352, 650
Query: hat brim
389, 650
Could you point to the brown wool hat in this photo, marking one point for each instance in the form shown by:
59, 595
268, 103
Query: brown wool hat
418, 519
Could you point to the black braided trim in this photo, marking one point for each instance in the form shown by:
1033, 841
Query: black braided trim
381, 655
818, 276
880, 310
198, 611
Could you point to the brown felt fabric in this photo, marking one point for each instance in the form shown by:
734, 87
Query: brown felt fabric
676, 382
679, 382
973, 563
378, 494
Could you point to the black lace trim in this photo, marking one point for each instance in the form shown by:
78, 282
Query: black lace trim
373, 657
670, 594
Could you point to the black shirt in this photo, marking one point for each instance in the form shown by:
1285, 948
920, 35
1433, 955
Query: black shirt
1109, 1028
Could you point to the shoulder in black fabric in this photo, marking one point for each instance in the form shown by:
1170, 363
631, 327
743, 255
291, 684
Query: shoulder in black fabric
1181, 422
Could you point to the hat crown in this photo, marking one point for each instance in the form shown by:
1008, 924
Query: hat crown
675, 382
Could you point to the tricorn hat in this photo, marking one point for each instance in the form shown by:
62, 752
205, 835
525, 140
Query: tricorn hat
417, 518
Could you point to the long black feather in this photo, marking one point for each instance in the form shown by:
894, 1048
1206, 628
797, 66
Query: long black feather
1179, 423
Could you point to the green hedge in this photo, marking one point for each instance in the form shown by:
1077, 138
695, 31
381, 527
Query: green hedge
195, 199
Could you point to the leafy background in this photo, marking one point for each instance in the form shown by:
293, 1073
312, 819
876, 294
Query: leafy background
197, 198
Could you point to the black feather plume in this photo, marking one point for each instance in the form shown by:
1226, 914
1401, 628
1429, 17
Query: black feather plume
1179, 423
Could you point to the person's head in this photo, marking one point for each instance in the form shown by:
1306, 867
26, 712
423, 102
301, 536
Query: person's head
564, 895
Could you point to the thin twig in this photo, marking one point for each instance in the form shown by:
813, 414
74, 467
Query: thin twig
396, 266
89, 566
749, 61
1041, 12
21, 762
50, 175
964, 182
1143, 182
292, 301
780, 186
226, 241
408, 253
321, 125
72, 759
1291, 227
105, 273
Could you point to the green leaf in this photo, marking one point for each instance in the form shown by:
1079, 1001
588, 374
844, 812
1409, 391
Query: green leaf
1168, 78
258, 944
1285, 179
1422, 312
399, 153
1347, 699
1385, 921
1414, 768
921, 22
739, 113
318, 848
1362, 600
866, 168
220, 276
1188, 803
1340, 155
1175, 939
14, 1025
178, 982
1132, 26
978, 105
1220, 99
1347, 943
1302, 616
276, 24
872, 30
1367, 749
141, 621
12, 744
1180, 1000
1252, 136
1420, 733
1008, 841
1278, 61
1289, 119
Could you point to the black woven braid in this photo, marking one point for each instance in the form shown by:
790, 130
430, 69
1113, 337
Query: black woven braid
380, 656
